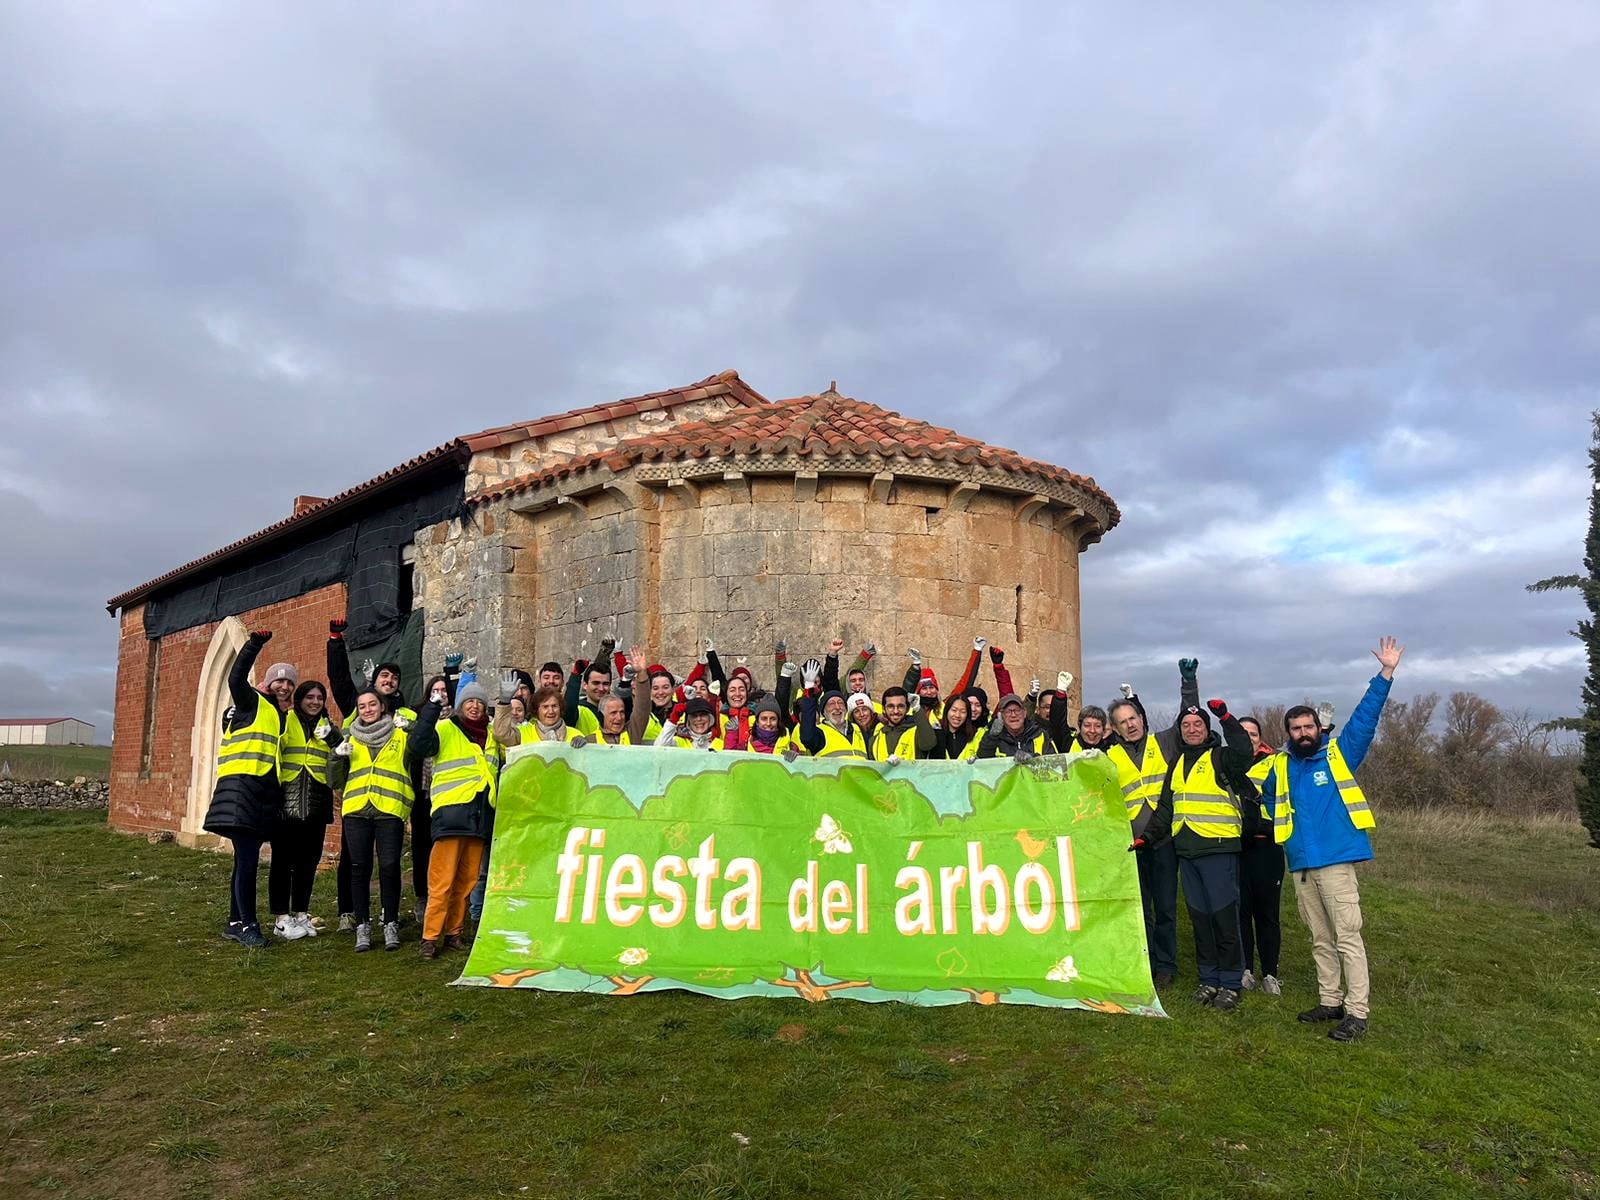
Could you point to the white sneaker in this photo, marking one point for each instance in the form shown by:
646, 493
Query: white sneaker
288, 927
1248, 982
1271, 986
304, 921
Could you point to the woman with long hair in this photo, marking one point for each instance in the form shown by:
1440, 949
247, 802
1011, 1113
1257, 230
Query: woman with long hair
309, 737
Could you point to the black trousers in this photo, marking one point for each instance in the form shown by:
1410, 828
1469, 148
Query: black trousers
1158, 887
296, 853
242, 888
1260, 891
421, 845
342, 878
1211, 893
369, 838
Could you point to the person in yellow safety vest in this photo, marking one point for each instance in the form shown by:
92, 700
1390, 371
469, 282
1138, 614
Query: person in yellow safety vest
1094, 730
946, 735
374, 766
1014, 732
1208, 808
835, 735
894, 736
617, 726
766, 730
298, 837
861, 714
1321, 817
547, 724
248, 797
462, 792
1261, 869
1141, 759
699, 728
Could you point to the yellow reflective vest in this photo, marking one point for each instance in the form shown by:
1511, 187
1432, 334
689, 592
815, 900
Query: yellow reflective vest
837, 745
785, 742
686, 743
381, 781
253, 749
408, 714
1202, 804
530, 733
1355, 800
461, 769
1140, 782
301, 753
904, 744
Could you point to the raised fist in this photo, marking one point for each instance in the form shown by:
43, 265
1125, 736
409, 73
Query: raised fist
978, 643
1188, 666
996, 655
337, 626
1127, 691
715, 687
711, 643
1219, 709
261, 635
452, 662
1063, 681
870, 650
788, 670
834, 647
914, 655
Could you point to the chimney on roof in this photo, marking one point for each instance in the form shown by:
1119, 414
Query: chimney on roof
306, 504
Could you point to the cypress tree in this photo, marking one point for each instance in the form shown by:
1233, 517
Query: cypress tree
1588, 632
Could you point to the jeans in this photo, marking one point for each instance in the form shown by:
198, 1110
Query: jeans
386, 835
1260, 891
1211, 893
1158, 886
296, 853
242, 889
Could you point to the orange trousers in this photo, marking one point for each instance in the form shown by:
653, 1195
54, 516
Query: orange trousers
452, 874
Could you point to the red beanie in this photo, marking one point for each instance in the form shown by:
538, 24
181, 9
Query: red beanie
927, 677
749, 679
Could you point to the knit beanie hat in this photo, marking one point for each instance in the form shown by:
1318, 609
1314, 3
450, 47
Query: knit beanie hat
857, 700
1195, 710
767, 704
279, 671
749, 679
927, 676
471, 691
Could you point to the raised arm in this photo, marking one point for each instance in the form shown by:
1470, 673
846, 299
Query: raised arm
243, 695
340, 685
830, 667
1002, 674
1356, 739
422, 740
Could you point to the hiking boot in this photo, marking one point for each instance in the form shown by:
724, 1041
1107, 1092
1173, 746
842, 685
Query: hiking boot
455, 941
428, 948
1271, 986
1248, 982
251, 939
288, 927
391, 935
1162, 980
232, 930
1349, 1029
1323, 1012
363, 936
347, 922
1226, 999
1205, 994
307, 925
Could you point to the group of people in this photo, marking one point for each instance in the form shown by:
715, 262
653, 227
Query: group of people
1209, 801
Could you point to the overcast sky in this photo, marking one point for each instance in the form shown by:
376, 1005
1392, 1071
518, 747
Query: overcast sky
1311, 290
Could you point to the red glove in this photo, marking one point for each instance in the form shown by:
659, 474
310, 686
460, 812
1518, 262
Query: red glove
337, 626
579, 665
261, 635
1219, 709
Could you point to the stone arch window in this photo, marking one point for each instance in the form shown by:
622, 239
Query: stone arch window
211, 701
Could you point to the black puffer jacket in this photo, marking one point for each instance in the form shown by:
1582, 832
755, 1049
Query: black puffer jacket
245, 804
1002, 743
473, 819
304, 799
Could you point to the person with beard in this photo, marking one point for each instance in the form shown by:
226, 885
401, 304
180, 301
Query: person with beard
1201, 809
894, 736
248, 798
1320, 817
1015, 733
1261, 867
1141, 759
835, 735
766, 730
946, 736
302, 828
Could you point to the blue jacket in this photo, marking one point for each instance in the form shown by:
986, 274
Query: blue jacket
1323, 833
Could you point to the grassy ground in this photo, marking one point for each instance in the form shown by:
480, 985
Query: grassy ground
141, 1054
57, 762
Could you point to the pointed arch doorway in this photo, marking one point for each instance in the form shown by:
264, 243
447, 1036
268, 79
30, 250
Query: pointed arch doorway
211, 701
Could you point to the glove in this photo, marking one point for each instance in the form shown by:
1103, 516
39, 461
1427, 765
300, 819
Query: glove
1033, 687
607, 646
811, 672
1187, 667
788, 670
629, 671
452, 663
323, 728
893, 760
870, 650
337, 626
978, 643
996, 725
790, 754
342, 749
401, 722
1219, 709
1024, 755
1063, 681
1325, 712
915, 656
580, 740
996, 655
668, 732
1127, 691
781, 650
261, 635
508, 686
715, 688
913, 704
369, 669
470, 664
742, 660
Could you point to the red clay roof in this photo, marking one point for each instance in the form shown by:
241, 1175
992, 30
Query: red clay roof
726, 383
822, 427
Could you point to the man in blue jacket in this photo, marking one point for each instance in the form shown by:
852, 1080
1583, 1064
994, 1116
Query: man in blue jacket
1321, 818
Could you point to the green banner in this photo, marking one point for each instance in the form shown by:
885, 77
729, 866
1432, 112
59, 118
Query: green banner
623, 870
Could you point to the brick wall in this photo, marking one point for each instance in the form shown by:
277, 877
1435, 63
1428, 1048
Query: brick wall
151, 758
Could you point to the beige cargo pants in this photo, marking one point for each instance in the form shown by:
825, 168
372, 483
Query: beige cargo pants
1330, 905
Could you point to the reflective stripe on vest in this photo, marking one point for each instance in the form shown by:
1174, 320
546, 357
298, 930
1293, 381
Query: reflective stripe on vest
1201, 804
382, 782
1355, 800
529, 732
460, 770
905, 742
1140, 784
684, 743
784, 742
254, 749
300, 753
836, 745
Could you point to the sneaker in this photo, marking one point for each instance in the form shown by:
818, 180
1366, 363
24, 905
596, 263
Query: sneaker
280, 923
391, 935
1323, 1012
251, 939
1162, 980
346, 922
1271, 986
232, 930
1248, 982
1205, 993
454, 941
1226, 999
1349, 1029
429, 948
308, 927
363, 936
288, 927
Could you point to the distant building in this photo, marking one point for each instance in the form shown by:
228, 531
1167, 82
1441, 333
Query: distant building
45, 731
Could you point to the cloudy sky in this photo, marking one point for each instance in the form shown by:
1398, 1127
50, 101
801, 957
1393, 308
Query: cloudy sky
1311, 290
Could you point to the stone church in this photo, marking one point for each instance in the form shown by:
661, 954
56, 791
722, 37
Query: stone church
661, 519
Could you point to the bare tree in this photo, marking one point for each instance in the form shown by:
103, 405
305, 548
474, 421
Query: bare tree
1473, 728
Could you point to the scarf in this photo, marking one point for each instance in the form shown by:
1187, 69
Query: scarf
551, 733
702, 741
762, 741
477, 731
376, 735
736, 733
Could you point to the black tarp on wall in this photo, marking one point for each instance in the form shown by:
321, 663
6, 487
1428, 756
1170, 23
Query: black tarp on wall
363, 552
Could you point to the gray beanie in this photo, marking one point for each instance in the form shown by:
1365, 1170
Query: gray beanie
471, 691
279, 671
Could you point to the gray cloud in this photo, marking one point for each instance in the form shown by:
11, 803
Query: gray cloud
1277, 280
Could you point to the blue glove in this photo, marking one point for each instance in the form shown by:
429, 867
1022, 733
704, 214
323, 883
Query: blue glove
452, 662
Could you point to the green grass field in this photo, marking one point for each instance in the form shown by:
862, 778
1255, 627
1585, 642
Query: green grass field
57, 762
140, 1054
